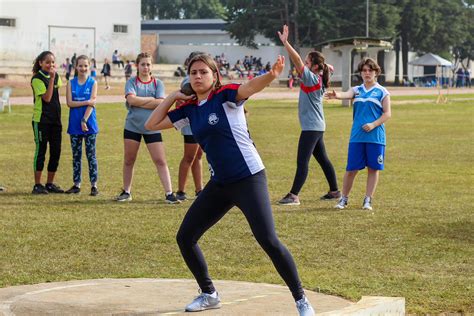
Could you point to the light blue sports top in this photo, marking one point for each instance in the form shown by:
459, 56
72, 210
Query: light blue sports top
310, 102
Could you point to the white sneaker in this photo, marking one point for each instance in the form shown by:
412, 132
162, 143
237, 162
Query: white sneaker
204, 301
304, 307
367, 205
342, 204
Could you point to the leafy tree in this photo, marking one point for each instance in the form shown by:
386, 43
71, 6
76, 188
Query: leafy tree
182, 9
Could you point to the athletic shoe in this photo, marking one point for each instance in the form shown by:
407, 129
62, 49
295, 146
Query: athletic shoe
73, 190
3, 190
304, 307
198, 192
53, 188
171, 199
39, 189
180, 195
290, 199
94, 191
204, 301
332, 195
342, 204
123, 197
367, 205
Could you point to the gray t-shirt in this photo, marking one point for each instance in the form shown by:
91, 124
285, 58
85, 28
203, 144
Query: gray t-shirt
310, 103
136, 117
186, 130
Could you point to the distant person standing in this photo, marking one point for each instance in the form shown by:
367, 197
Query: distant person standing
128, 70
116, 59
67, 68
467, 78
73, 59
93, 68
106, 72
459, 78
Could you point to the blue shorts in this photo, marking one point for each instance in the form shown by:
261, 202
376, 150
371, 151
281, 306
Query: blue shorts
363, 155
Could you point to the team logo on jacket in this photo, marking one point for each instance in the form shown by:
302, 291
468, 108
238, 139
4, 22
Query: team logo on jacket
213, 119
380, 159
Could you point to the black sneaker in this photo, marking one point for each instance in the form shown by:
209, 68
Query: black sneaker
39, 189
94, 191
53, 188
123, 197
73, 190
180, 195
171, 199
332, 195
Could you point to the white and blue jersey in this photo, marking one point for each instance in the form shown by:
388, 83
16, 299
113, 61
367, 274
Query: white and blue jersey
367, 107
220, 127
81, 92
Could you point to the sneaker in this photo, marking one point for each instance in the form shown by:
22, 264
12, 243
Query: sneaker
342, 204
53, 188
171, 199
332, 195
3, 190
73, 190
39, 189
180, 195
204, 301
304, 307
290, 199
367, 205
123, 197
94, 191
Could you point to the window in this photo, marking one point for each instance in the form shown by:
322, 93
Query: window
7, 22
120, 28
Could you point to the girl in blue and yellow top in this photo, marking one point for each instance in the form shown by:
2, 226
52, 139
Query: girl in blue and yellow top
314, 76
81, 97
367, 142
47, 125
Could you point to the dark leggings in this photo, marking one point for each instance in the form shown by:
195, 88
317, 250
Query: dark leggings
44, 134
312, 143
251, 196
76, 145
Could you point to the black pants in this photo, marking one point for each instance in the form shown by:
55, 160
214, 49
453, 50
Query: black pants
312, 143
44, 134
215, 200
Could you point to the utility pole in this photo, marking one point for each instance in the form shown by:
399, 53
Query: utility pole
367, 19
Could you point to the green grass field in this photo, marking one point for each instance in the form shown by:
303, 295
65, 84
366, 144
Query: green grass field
418, 243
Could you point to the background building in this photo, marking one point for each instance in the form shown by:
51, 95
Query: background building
93, 28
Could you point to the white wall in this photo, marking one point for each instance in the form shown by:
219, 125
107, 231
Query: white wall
74, 21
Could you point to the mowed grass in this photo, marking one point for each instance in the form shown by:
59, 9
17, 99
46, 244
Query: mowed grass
418, 243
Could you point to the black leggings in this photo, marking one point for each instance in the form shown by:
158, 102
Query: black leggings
44, 134
215, 200
312, 143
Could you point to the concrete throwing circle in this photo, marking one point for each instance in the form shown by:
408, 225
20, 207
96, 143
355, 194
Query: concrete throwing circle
153, 297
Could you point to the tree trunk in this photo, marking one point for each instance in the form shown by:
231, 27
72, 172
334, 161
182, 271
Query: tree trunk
397, 61
405, 55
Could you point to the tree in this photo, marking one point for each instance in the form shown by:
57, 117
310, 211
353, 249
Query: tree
182, 9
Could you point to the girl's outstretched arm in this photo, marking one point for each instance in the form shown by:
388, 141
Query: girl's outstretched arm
349, 94
294, 56
159, 119
259, 83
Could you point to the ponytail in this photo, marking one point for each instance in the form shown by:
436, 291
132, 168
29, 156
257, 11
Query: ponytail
318, 59
325, 76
